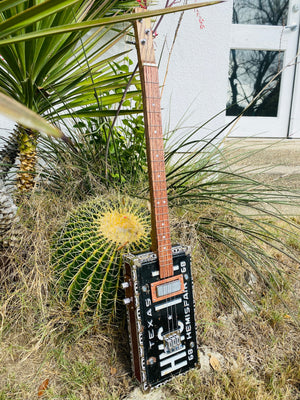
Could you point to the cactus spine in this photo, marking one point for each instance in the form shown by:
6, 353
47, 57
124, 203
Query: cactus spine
87, 251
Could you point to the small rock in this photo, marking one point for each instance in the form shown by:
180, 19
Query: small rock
250, 278
204, 362
156, 394
248, 308
210, 360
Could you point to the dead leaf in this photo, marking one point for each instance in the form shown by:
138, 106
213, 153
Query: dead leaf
215, 364
43, 387
113, 371
123, 245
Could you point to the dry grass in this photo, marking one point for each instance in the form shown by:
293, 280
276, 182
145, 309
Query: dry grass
42, 339
271, 161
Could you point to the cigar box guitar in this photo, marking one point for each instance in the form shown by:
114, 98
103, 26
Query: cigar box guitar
158, 284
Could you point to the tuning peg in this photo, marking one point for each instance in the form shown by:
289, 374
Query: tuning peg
125, 285
127, 301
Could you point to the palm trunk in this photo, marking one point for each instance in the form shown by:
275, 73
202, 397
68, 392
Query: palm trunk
9, 153
8, 211
27, 158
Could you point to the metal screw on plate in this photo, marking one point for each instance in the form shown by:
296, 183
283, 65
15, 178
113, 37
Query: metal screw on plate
192, 345
151, 361
143, 41
147, 31
144, 288
186, 277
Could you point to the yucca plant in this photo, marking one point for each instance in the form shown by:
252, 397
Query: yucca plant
52, 76
87, 251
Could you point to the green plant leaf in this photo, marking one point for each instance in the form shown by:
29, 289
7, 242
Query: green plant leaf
33, 14
97, 23
6, 4
14, 110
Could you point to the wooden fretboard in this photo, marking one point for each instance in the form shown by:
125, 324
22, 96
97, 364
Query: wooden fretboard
161, 240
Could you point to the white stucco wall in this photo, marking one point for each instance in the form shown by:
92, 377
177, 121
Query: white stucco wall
196, 83
6, 126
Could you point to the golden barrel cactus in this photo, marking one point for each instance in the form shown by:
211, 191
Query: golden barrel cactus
88, 249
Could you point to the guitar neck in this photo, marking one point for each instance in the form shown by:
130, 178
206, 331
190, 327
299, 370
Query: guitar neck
161, 239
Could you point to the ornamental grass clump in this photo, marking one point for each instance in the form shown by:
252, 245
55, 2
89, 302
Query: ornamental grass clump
88, 249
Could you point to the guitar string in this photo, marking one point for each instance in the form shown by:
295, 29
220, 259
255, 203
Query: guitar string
171, 310
160, 171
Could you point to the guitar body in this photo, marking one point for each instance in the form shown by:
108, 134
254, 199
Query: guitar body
161, 317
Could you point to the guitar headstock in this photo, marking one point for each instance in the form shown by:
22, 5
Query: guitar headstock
144, 40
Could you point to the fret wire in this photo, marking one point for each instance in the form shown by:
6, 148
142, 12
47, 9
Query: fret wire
158, 180
157, 167
158, 149
156, 83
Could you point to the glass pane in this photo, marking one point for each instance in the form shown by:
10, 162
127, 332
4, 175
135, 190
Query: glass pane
260, 12
249, 73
